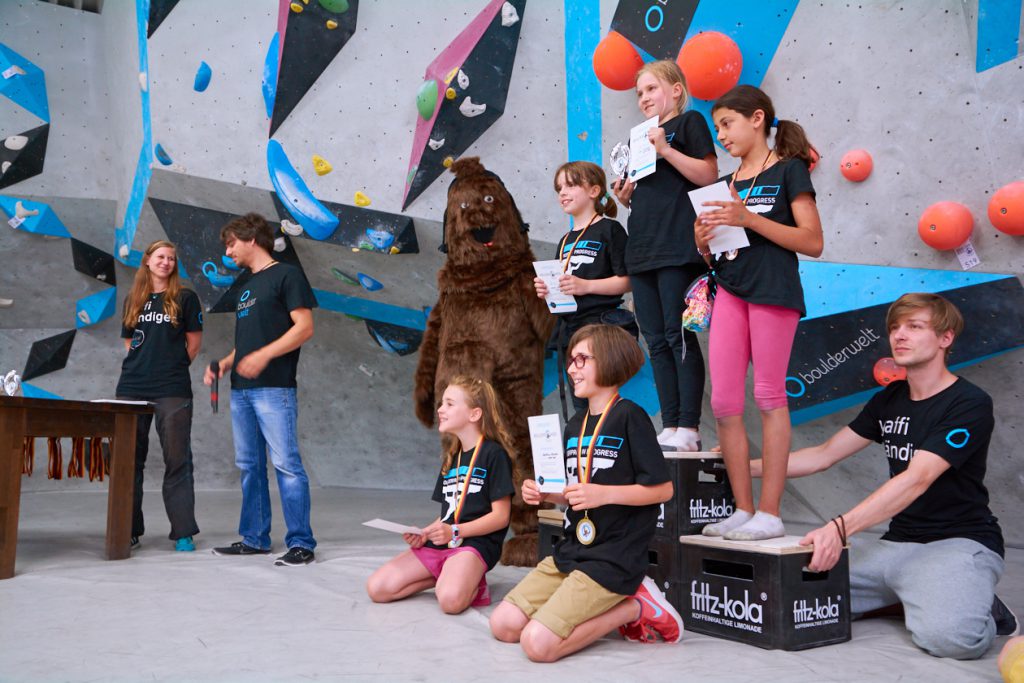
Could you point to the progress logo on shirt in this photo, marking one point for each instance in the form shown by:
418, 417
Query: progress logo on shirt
606, 452
761, 199
245, 302
452, 486
584, 254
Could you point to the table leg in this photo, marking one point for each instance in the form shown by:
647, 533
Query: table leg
121, 488
12, 434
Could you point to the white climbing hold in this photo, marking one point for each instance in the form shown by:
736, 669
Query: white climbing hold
463, 79
435, 144
11, 381
124, 252
21, 212
143, 81
509, 15
4, 166
365, 370
84, 317
6, 303
470, 110
280, 245
290, 228
16, 142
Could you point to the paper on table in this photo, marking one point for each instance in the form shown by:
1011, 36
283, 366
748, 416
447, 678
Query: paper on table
548, 457
726, 237
549, 272
643, 158
393, 527
120, 401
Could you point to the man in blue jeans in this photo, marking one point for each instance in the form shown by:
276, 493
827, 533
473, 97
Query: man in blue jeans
274, 319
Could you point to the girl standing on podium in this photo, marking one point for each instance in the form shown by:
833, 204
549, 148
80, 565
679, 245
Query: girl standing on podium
162, 329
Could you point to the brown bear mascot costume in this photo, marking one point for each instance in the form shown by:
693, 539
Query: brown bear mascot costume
489, 323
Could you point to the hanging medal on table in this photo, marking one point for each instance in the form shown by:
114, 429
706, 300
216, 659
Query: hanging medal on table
586, 530
456, 539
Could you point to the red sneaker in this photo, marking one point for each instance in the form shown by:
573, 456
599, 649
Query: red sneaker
657, 615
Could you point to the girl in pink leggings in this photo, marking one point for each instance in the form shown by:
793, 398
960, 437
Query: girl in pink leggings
760, 299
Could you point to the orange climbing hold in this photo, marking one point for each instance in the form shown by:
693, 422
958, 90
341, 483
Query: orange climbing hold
945, 225
616, 62
712, 62
856, 165
1006, 208
886, 371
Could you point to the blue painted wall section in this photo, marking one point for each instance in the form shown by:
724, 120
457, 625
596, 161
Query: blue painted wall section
28, 90
998, 33
582, 89
371, 310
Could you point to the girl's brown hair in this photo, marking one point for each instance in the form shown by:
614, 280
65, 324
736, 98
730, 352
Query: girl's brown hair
479, 394
142, 287
588, 174
790, 139
616, 353
668, 71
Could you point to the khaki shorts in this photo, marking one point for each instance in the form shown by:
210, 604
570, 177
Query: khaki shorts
561, 601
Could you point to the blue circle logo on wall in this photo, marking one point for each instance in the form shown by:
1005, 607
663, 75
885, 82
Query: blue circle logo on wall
245, 296
958, 438
801, 388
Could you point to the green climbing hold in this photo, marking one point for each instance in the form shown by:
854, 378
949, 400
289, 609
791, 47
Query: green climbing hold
344, 277
336, 6
426, 99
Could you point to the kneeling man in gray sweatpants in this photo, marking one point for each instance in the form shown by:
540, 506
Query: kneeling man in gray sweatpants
943, 553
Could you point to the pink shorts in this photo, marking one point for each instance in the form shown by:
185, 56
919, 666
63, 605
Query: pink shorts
434, 558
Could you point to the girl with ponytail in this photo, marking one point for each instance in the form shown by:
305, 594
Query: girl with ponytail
593, 257
760, 299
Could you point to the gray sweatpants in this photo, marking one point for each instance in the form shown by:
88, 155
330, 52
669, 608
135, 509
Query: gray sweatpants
946, 588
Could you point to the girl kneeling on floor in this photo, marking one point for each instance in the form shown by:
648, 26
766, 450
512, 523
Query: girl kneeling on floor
474, 487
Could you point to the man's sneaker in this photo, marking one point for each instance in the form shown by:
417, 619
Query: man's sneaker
184, 545
240, 548
134, 543
657, 616
1006, 621
295, 557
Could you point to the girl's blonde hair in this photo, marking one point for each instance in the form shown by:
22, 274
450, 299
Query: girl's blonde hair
588, 174
668, 71
142, 287
479, 394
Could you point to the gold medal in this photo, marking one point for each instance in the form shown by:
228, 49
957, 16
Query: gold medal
586, 532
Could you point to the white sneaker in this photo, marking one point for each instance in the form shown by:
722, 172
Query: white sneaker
666, 435
683, 440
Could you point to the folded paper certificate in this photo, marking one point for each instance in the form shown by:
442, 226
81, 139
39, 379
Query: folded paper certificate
726, 237
549, 272
643, 158
393, 527
548, 457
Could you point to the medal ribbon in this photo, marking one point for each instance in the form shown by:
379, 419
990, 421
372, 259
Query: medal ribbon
465, 482
585, 472
567, 259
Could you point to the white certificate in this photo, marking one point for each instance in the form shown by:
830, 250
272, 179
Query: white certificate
548, 457
642, 155
393, 527
549, 272
725, 237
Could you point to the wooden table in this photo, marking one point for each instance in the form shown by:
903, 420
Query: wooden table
39, 417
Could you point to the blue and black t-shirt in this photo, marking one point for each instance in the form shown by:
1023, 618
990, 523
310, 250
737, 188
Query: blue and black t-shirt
157, 362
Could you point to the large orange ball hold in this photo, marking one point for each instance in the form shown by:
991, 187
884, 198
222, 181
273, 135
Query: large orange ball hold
886, 371
1006, 208
616, 62
856, 165
712, 63
945, 225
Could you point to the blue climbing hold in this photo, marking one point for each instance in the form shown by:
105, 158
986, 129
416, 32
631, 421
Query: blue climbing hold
270, 66
229, 262
316, 219
382, 239
162, 156
203, 75
215, 277
368, 283
92, 309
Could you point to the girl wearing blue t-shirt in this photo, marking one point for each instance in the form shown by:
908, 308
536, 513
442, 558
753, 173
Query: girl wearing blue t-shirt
760, 299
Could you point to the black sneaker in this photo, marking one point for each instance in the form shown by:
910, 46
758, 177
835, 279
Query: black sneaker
240, 548
295, 557
1006, 621
134, 543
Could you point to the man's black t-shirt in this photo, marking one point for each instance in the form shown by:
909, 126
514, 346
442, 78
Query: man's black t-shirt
490, 480
955, 424
157, 362
661, 216
600, 254
263, 315
764, 272
626, 452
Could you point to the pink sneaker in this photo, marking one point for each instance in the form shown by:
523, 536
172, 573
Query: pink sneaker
657, 616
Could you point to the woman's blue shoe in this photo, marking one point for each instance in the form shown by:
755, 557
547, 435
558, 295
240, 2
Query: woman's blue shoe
184, 545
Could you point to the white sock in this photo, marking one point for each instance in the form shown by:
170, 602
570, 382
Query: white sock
666, 434
761, 526
684, 439
735, 520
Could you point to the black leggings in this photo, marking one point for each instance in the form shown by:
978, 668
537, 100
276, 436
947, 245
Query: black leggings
676, 358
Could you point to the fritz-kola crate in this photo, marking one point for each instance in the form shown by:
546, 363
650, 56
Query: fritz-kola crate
702, 494
758, 592
551, 528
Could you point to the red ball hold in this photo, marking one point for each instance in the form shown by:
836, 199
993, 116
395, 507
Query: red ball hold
945, 225
856, 165
616, 62
712, 63
886, 371
1006, 208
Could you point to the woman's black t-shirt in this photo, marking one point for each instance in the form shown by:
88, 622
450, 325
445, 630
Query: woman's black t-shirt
764, 272
661, 216
157, 362
600, 254
627, 452
490, 480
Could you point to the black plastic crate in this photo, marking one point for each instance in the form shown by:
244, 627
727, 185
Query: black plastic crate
664, 559
758, 592
702, 494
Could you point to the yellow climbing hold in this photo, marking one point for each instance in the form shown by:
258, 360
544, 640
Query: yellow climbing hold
450, 93
296, 7
321, 165
448, 161
451, 75
395, 250
305, 2
361, 199
332, 24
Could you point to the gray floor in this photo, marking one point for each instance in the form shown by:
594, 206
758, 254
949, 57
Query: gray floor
68, 615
